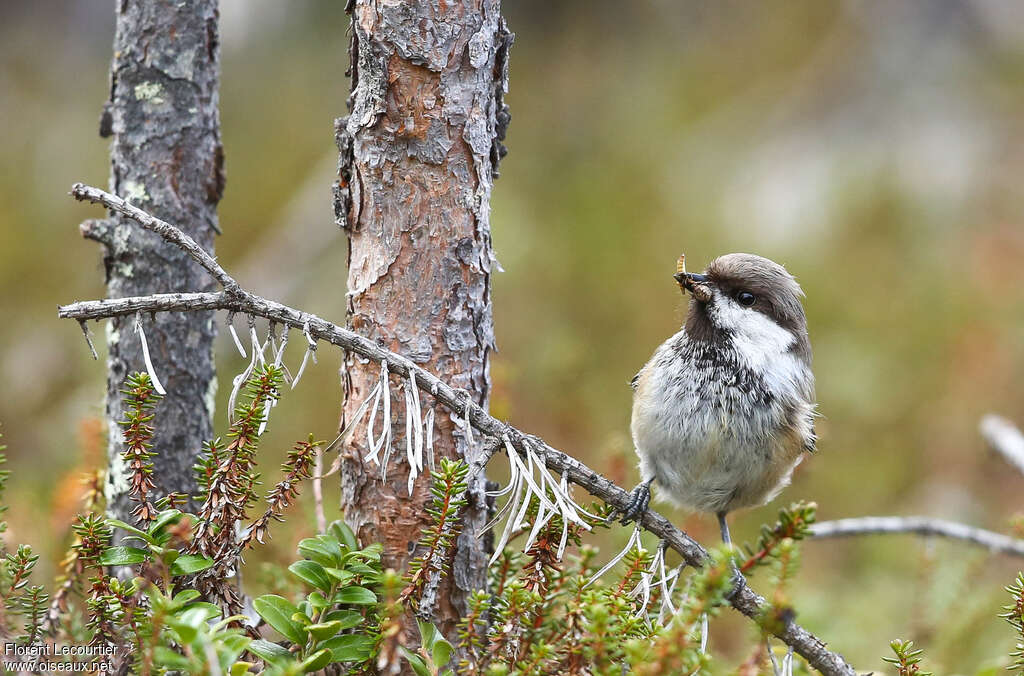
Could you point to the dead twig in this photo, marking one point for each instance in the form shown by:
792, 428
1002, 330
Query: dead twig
919, 525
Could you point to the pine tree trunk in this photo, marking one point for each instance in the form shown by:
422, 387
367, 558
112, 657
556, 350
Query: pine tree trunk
166, 157
419, 151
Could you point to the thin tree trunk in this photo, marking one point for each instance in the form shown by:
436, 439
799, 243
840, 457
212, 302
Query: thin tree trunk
166, 157
419, 151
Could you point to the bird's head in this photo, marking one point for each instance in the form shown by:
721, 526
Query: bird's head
746, 297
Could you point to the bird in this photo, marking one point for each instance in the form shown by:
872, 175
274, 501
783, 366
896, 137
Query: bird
724, 410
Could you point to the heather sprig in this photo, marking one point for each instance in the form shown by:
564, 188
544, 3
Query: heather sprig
18, 598
794, 523
140, 399
449, 496
1014, 614
19, 568
907, 660
32, 605
229, 480
297, 468
93, 537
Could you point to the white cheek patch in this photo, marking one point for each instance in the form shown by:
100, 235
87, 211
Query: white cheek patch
756, 337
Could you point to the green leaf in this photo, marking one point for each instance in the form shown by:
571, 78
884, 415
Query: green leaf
188, 622
198, 613
186, 564
186, 632
428, 633
122, 556
343, 534
357, 596
317, 601
415, 661
165, 657
271, 652
342, 576
360, 568
163, 518
371, 553
211, 609
317, 661
332, 545
225, 621
278, 612
168, 555
313, 574
348, 618
350, 647
440, 649
240, 668
142, 535
324, 630
313, 549
185, 596
441, 652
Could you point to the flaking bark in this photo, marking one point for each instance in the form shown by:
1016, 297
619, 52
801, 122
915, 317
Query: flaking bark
166, 157
418, 154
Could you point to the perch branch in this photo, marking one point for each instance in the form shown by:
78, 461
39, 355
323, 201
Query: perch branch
919, 525
1005, 438
235, 299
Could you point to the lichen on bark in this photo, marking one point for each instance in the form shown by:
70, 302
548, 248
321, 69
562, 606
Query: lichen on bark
166, 156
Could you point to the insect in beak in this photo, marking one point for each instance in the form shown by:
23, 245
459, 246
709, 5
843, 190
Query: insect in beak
696, 284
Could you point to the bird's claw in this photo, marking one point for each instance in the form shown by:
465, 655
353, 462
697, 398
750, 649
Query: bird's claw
639, 499
736, 583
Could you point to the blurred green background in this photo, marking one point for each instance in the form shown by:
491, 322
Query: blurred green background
873, 147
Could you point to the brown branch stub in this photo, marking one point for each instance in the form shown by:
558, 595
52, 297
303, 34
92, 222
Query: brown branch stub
919, 525
745, 600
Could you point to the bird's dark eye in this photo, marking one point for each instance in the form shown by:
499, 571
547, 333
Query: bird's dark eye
745, 298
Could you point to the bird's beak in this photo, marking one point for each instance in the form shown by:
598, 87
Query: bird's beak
695, 284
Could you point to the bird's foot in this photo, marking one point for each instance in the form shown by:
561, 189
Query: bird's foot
737, 583
639, 499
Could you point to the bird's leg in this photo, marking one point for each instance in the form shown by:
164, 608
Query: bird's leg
639, 499
737, 577
723, 525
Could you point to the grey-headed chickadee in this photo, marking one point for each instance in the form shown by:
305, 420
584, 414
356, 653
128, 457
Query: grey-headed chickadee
724, 410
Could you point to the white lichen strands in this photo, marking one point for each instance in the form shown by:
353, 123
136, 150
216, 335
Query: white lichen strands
634, 540
157, 385
310, 354
349, 430
429, 440
381, 402
234, 335
88, 339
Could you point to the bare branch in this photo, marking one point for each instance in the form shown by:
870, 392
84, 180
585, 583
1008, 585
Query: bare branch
235, 299
919, 525
172, 234
1005, 438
